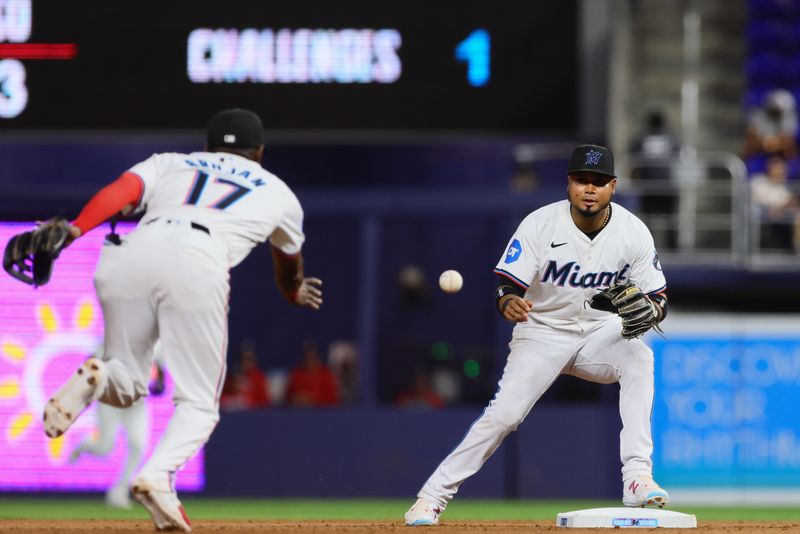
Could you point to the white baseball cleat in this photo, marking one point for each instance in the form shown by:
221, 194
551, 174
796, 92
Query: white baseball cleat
156, 493
423, 513
75, 395
643, 491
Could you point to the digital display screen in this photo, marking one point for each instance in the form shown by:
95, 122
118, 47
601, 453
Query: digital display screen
45, 334
309, 64
725, 412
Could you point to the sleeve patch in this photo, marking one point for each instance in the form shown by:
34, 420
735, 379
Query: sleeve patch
514, 252
656, 263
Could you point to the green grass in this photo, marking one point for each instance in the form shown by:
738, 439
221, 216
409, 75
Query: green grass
355, 509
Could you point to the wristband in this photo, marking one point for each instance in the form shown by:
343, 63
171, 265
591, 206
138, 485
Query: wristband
504, 290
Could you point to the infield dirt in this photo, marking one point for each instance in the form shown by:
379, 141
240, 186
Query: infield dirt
364, 527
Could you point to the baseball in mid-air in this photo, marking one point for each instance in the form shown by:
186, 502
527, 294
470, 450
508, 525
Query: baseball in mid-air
451, 281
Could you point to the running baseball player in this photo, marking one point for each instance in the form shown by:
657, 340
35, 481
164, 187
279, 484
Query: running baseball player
582, 281
136, 424
168, 279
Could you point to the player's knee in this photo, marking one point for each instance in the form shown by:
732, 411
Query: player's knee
205, 409
118, 400
123, 395
505, 420
641, 360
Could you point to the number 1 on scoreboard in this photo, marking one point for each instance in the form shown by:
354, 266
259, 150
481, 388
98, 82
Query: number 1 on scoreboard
474, 50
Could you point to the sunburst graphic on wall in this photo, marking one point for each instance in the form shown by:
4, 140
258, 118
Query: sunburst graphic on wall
36, 371
45, 334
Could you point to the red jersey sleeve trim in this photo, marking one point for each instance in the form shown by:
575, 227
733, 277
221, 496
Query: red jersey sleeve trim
512, 278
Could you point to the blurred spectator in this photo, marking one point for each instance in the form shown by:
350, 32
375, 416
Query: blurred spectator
447, 383
343, 361
658, 198
777, 205
525, 177
247, 386
772, 127
312, 384
420, 394
413, 286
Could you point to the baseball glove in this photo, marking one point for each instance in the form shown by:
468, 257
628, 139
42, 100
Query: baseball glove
29, 256
638, 313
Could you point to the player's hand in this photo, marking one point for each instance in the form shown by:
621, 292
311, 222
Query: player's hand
309, 293
516, 309
74, 233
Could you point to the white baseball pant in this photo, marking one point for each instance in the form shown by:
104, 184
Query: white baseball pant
167, 280
539, 354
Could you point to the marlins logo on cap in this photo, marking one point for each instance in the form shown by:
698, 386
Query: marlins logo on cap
592, 158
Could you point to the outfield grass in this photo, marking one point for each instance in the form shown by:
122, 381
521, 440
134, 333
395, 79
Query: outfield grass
355, 509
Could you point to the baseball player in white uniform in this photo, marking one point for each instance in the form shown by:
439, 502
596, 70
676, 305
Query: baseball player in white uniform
136, 424
168, 279
561, 256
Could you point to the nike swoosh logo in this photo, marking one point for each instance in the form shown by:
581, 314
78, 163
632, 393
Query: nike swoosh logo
556, 245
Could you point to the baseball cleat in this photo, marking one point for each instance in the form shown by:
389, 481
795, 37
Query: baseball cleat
157, 495
423, 513
75, 395
643, 491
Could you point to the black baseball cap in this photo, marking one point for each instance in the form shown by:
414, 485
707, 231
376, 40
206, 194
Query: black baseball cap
592, 158
236, 128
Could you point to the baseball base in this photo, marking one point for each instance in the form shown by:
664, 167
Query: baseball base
625, 518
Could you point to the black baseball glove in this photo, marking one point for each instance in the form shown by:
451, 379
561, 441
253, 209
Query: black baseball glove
638, 312
29, 256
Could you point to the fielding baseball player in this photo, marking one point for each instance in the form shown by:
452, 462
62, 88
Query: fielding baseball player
582, 281
168, 279
136, 424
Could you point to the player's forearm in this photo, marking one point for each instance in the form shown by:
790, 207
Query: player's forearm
288, 270
121, 195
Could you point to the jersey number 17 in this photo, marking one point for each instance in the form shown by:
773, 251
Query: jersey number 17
201, 179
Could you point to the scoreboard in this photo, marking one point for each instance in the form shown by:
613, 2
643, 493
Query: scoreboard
307, 64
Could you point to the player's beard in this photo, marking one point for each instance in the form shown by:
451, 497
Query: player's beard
595, 211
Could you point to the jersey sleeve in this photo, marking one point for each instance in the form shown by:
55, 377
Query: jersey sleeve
288, 236
646, 270
520, 262
125, 190
148, 171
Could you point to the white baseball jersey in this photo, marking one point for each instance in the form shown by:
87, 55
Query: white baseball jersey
561, 268
238, 200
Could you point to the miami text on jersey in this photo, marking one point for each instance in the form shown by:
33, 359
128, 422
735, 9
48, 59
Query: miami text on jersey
560, 275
